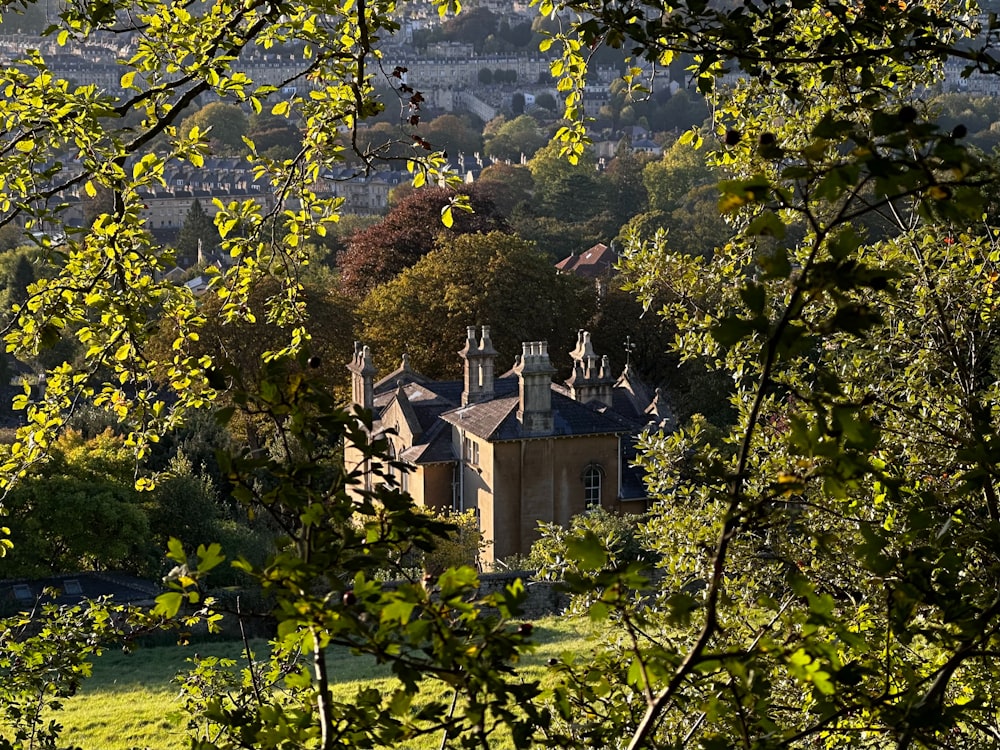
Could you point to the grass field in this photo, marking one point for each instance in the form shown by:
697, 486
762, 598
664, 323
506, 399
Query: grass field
132, 702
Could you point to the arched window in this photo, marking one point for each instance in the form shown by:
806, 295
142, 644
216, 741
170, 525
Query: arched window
593, 476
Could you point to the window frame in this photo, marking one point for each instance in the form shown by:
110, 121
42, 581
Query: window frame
593, 485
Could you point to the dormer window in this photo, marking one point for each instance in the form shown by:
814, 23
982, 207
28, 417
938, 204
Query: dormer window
23, 593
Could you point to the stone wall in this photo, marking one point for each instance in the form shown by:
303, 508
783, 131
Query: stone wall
543, 597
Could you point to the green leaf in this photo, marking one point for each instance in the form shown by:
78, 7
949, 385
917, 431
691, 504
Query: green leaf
209, 556
587, 551
168, 604
767, 224
175, 551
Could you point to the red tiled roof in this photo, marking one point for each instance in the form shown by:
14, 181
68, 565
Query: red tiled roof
592, 263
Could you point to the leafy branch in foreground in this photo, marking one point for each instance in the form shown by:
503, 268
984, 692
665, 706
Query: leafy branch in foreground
337, 531
829, 567
108, 290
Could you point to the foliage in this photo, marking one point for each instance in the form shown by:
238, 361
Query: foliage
545, 100
513, 138
43, 660
79, 512
626, 192
241, 345
517, 100
198, 238
453, 135
620, 539
476, 279
827, 573
462, 545
471, 27
377, 254
564, 190
670, 179
65, 141
273, 136
431, 631
507, 185
183, 505
226, 125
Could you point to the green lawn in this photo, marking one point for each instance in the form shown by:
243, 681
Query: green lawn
131, 700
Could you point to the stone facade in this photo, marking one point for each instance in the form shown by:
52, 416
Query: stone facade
518, 449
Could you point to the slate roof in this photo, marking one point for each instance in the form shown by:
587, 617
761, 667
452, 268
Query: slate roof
427, 400
74, 588
497, 421
435, 448
436, 405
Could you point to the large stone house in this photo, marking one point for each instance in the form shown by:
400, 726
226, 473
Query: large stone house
517, 448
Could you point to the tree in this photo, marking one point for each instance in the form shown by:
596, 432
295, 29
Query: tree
571, 192
97, 146
627, 196
670, 180
545, 100
273, 136
512, 139
485, 76
198, 238
11, 237
18, 274
474, 279
828, 578
80, 513
224, 124
376, 255
517, 103
104, 286
454, 135
507, 185
241, 346
683, 110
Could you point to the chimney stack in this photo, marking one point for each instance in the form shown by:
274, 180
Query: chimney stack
362, 377
479, 366
534, 373
591, 379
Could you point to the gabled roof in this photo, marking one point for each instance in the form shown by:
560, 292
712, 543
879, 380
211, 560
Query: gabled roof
435, 448
632, 397
401, 375
421, 401
593, 263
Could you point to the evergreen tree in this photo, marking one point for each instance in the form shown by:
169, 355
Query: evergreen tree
198, 237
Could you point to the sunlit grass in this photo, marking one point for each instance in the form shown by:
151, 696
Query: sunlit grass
131, 700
